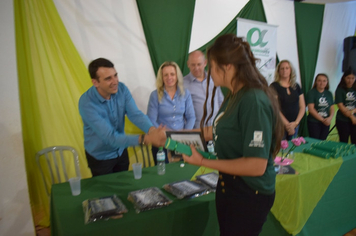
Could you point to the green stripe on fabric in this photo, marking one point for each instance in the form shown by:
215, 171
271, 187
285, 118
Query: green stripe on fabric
309, 22
51, 77
167, 26
253, 10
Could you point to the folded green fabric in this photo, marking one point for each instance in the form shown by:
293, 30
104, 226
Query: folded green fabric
335, 149
318, 152
326, 146
185, 149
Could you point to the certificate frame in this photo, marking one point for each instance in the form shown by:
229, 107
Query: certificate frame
187, 137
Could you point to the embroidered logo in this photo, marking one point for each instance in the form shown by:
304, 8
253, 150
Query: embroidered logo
257, 140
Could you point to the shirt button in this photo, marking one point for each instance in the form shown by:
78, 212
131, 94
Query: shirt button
220, 177
174, 117
223, 190
222, 183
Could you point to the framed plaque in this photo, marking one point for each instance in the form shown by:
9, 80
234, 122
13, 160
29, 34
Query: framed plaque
188, 138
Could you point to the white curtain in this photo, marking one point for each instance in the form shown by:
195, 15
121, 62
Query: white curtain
113, 30
339, 23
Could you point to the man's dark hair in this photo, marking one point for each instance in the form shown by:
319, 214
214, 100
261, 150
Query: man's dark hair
94, 66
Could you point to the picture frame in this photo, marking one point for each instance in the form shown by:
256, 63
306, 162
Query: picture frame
187, 137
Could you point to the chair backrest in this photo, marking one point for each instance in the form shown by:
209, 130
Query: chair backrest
142, 155
52, 161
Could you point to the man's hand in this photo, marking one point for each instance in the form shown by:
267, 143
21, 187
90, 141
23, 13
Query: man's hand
157, 136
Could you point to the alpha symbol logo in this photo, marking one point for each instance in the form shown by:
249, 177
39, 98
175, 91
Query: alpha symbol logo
257, 139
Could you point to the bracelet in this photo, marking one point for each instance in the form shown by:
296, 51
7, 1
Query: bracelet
142, 139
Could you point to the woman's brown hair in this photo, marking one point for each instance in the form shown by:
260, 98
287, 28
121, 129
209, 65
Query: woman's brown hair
230, 49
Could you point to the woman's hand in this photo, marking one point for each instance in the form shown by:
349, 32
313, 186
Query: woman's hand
353, 119
157, 137
290, 128
327, 121
195, 159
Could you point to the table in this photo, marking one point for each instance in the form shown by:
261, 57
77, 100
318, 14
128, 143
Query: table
183, 217
333, 214
335, 210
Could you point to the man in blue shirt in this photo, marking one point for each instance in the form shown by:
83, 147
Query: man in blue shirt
103, 108
196, 83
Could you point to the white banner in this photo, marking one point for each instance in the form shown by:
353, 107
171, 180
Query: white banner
262, 38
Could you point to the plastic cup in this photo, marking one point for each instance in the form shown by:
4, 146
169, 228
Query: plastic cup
137, 170
75, 185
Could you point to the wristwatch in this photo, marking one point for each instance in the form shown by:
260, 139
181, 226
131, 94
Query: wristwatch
142, 139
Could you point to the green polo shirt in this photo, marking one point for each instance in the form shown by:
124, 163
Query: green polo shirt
346, 97
245, 130
322, 103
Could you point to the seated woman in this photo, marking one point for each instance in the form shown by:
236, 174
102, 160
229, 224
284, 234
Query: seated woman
290, 97
345, 98
320, 105
170, 104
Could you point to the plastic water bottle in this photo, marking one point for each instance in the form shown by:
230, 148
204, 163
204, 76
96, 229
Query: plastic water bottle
210, 147
161, 164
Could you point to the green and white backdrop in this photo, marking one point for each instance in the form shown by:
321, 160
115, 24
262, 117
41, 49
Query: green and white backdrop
56, 40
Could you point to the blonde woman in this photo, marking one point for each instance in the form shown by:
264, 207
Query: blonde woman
290, 97
170, 104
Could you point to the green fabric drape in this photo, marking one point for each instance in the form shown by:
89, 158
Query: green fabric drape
253, 10
309, 22
167, 26
51, 78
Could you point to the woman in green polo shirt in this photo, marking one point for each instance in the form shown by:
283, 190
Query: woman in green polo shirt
320, 105
345, 98
247, 132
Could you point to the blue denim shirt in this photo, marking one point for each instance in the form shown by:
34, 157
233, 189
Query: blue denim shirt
104, 122
176, 113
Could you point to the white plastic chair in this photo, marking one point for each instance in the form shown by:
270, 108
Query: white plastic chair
58, 158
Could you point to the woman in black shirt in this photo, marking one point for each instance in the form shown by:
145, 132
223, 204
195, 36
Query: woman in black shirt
290, 97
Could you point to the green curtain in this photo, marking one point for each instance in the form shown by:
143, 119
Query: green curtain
167, 25
309, 22
253, 10
51, 78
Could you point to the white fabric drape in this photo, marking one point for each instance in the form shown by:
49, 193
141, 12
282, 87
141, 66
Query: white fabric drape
210, 18
281, 13
339, 22
113, 30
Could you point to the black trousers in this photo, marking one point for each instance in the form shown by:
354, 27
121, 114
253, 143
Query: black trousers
103, 167
318, 130
346, 129
240, 209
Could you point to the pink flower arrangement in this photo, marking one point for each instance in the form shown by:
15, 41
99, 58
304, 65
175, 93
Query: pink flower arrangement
296, 143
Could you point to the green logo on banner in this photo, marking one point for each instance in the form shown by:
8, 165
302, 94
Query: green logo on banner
259, 41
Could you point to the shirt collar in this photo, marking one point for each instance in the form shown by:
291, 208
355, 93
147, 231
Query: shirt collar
193, 78
99, 97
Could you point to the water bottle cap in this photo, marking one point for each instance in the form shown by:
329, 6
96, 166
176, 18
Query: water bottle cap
160, 148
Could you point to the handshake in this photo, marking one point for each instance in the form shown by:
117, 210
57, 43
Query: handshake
155, 136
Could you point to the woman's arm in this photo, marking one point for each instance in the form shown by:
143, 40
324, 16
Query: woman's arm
314, 112
327, 121
301, 111
152, 108
346, 112
244, 166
